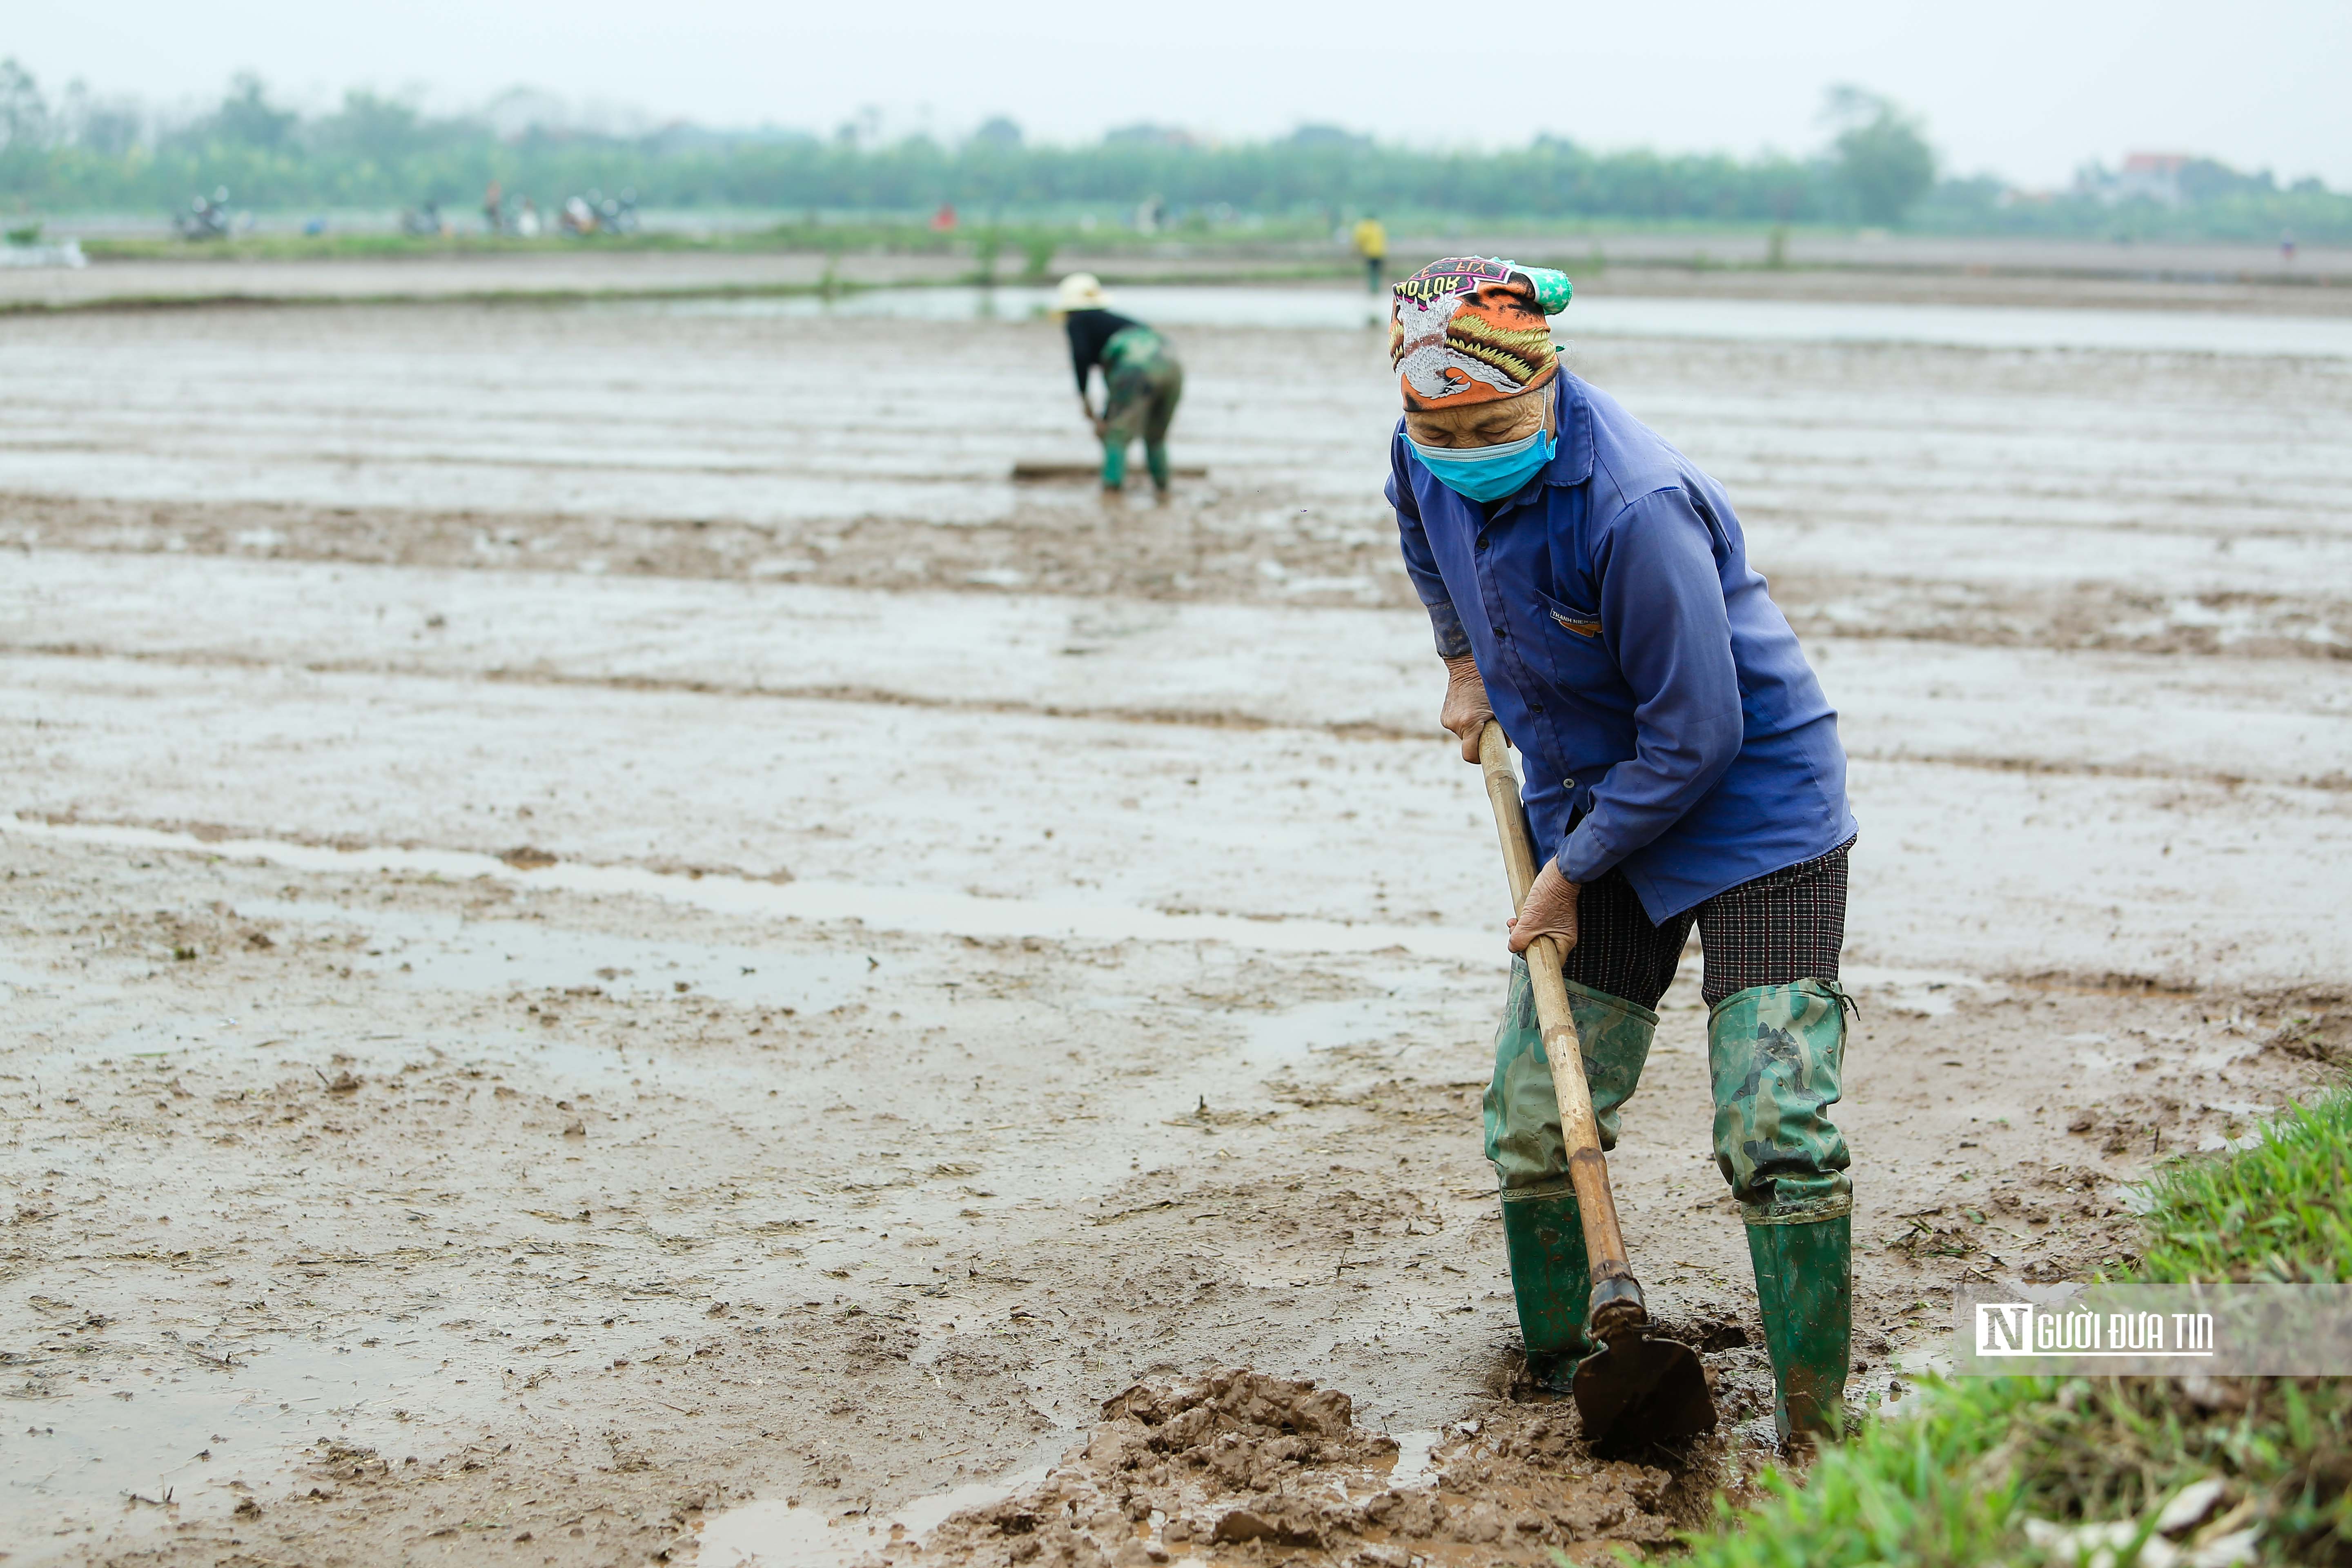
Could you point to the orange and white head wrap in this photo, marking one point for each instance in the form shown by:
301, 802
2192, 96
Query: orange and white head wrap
1471, 330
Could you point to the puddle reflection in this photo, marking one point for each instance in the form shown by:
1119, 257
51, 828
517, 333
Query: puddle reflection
155, 1434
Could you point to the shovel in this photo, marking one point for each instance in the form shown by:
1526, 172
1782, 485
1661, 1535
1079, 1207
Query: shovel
1635, 1392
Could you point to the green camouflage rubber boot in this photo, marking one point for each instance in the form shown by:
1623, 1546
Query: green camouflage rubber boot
1775, 1054
1155, 459
1804, 1282
1543, 1232
1543, 1229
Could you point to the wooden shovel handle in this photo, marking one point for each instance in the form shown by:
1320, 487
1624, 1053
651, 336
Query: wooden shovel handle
1586, 1171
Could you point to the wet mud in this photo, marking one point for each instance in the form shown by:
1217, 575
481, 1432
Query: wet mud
602, 967
2163, 504
1236, 1466
481, 1216
2004, 272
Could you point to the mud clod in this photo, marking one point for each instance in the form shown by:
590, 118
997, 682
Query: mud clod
1238, 1464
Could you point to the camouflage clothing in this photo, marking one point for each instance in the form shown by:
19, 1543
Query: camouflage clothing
1543, 1228
1144, 385
1775, 1053
1523, 1137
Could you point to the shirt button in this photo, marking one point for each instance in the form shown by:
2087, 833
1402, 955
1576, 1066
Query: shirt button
1482, 542
1568, 787
1502, 634
1535, 706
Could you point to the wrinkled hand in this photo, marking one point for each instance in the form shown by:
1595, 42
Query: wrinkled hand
1466, 711
1550, 910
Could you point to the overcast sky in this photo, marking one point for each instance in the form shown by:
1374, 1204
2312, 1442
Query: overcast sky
2028, 89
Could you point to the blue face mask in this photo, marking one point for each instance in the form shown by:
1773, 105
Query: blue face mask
1486, 473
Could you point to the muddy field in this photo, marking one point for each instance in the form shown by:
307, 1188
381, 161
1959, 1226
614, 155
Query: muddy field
2237, 278
618, 949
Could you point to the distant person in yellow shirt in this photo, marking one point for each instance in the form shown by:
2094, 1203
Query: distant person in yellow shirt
1373, 245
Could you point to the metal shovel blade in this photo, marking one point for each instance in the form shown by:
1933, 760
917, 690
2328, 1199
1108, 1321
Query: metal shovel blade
1637, 1392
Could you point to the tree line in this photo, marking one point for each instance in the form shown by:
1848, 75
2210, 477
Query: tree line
81, 152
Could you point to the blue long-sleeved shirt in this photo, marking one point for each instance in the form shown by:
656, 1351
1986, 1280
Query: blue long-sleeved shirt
1666, 719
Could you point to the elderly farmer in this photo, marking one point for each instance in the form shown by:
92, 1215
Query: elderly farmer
1141, 380
1591, 588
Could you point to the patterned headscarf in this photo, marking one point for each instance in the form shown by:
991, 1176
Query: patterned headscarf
1471, 329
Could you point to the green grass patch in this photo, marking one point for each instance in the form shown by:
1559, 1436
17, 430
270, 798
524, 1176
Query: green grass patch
2278, 1213
1955, 1479
1931, 1488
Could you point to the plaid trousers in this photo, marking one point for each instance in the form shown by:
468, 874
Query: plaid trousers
1783, 927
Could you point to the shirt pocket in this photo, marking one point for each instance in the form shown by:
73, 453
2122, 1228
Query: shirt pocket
1578, 622
1584, 624
1574, 653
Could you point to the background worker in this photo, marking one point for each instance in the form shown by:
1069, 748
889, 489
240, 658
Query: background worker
1141, 380
1373, 245
1591, 587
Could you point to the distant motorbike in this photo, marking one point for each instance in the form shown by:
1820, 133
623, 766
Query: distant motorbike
207, 217
423, 223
